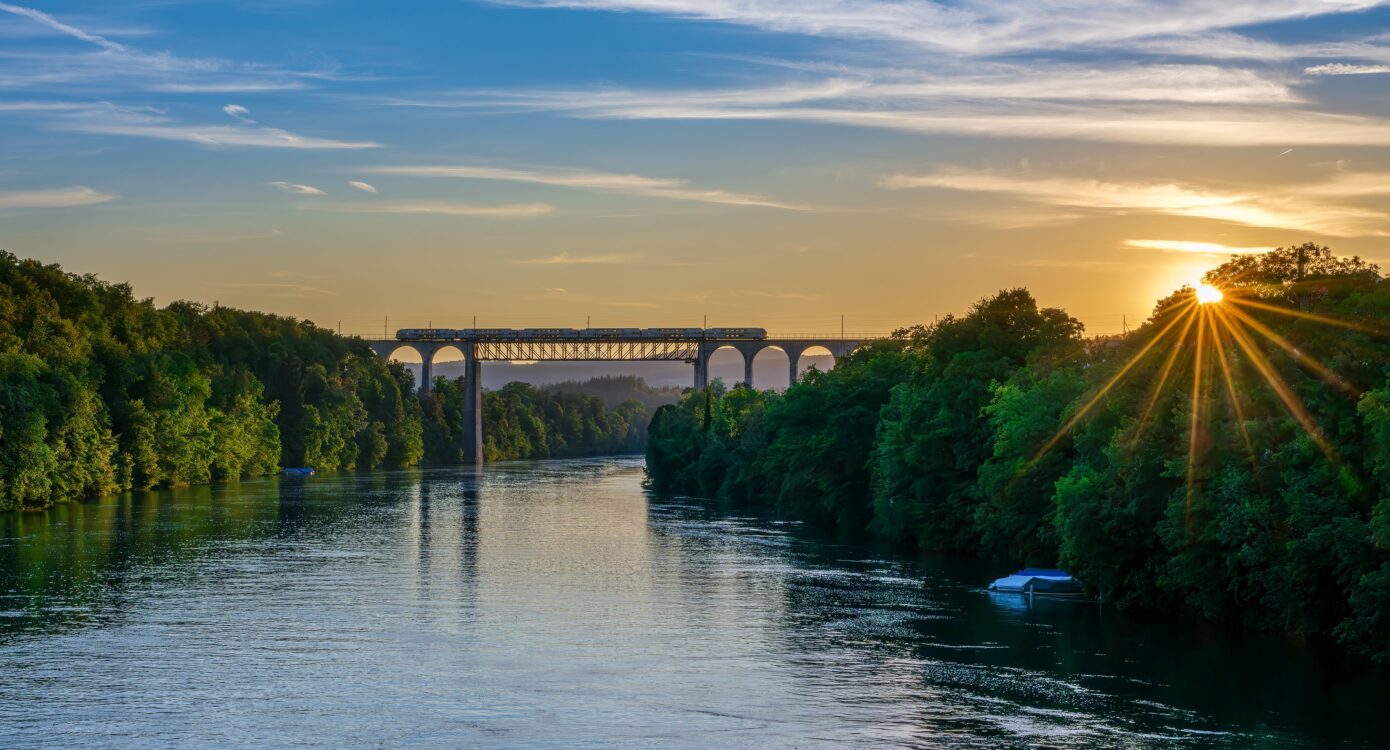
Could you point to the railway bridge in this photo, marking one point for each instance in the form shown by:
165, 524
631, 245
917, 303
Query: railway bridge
693, 346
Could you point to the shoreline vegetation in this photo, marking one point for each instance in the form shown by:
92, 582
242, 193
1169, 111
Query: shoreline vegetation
1229, 463
101, 392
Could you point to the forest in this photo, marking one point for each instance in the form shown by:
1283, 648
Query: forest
102, 392
1228, 461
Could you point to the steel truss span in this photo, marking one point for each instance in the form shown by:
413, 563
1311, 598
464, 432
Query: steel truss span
588, 351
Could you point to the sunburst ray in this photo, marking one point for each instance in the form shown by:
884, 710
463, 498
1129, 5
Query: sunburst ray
1195, 418
1315, 317
1157, 391
1237, 405
1138, 356
1290, 400
1299, 356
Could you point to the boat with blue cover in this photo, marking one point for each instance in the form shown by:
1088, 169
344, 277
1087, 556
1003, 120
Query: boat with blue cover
303, 471
1040, 581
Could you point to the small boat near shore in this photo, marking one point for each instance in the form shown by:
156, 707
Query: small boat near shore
1042, 582
304, 471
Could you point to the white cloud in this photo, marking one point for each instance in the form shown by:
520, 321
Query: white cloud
365, 187
107, 119
1198, 248
1328, 207
238, 112
631, 184
504, 211
53, 198
290, 187
121, 65
1343, 69
565, 259
1084, 108
980, 27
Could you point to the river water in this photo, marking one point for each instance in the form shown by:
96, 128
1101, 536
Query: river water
557, 605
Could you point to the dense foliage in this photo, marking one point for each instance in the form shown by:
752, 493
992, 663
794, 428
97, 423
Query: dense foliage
101, 392
524, 421
1238, 477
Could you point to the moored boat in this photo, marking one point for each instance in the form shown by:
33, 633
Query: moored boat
1040, 581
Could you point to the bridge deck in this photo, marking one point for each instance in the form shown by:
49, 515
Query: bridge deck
598, 348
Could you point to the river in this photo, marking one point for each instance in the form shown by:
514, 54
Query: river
557, 605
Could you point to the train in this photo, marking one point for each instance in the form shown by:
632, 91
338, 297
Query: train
578, 334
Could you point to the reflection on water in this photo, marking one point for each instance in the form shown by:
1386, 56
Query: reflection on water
556, 605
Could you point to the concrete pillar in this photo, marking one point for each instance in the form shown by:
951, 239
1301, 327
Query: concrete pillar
748, 367
472, 409
426, 368
793, 361
701, 367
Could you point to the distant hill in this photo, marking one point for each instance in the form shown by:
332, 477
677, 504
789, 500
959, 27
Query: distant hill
615, 389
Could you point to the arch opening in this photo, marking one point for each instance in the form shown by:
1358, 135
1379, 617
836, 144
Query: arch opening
726, 364
817, 357
412, 358
771, 369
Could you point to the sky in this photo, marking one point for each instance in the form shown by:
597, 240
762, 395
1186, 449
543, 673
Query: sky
776, 163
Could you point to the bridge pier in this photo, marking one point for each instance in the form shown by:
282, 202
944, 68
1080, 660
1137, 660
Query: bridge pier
473, 409
427, 370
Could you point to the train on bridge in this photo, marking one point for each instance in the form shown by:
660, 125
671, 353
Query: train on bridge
581, 334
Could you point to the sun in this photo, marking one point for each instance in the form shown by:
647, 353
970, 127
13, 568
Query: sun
1207, 294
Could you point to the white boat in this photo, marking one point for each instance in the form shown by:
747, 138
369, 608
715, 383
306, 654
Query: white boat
1040, 581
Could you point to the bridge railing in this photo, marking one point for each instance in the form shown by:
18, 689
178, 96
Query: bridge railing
848, 336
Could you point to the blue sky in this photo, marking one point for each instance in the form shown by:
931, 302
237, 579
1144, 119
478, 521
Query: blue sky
654, 161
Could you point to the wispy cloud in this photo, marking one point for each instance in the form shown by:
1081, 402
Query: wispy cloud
365, 187
208, 135
109, 119
118, 64
53, 198
565, 259
630, 184
1344, 69
1329, 207
443, 208
1198, 248
1250, 111
274, 288
788, 296
290, 187
979, 26
44, 19
238, 112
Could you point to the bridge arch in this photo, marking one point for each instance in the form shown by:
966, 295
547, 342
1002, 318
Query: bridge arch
414, 357
815, 356
726, 362
772, 356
